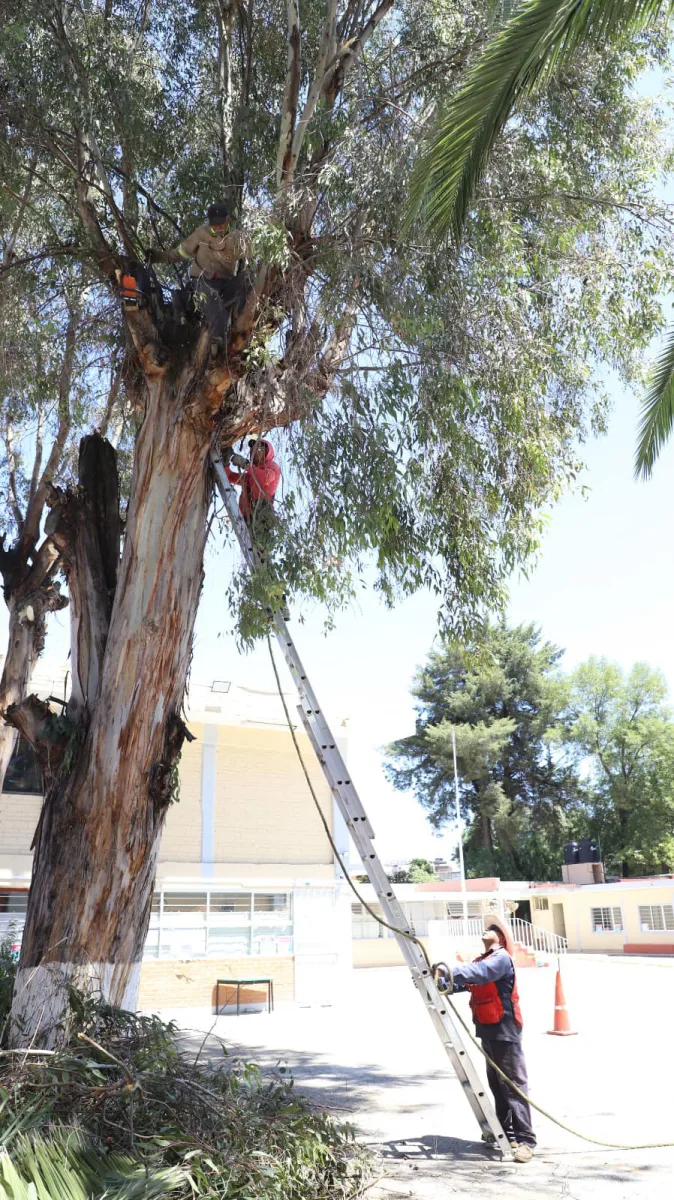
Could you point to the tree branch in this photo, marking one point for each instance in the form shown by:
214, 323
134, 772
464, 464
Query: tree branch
31, 528
291, 95
12, 465
226, 14
8, 250
348, 54
316, 88
85, 528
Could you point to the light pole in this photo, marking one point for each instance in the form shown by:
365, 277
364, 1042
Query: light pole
459, 825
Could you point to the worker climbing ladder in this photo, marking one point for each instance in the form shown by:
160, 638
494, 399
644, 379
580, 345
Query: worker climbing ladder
346, 796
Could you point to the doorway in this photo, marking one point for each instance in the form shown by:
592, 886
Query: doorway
558, 920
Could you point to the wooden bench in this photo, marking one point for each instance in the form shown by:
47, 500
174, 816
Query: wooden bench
235, 985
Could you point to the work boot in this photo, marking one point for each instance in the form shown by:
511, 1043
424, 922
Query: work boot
523, 1153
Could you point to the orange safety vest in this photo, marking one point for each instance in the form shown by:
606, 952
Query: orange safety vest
486, 1002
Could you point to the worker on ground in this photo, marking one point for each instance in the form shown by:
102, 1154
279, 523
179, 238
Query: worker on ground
494, 1003
217, 252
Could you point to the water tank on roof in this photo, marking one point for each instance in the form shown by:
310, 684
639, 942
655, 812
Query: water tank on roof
570, 853
587, 851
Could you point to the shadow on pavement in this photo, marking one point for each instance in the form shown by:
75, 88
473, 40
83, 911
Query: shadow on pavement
431, 1147
328, 1084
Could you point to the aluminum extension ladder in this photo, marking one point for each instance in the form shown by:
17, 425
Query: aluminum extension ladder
344, 792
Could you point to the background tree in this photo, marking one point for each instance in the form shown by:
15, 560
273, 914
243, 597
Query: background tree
519, 795
421, 870
623, 735
436, 403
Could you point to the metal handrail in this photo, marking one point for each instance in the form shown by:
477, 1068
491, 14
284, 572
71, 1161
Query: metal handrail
535, 937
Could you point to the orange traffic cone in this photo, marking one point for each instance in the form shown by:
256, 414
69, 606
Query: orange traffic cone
562, 1024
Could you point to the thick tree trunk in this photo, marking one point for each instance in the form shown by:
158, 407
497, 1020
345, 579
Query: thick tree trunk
98, 838
24, 642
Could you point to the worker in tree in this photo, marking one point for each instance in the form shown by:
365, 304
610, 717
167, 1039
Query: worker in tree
217, 252
258, 477
494, 1003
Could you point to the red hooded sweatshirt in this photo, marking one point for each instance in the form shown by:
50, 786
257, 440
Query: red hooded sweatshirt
257, 483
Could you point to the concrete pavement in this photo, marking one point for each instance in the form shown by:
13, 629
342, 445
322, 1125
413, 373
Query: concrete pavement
375, 1060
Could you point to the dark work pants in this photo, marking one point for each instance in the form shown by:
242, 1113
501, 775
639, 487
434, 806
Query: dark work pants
512, 1111
217, 298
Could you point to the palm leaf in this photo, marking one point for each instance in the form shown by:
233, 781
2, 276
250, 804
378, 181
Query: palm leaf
67, 1166
657, 411
541, 36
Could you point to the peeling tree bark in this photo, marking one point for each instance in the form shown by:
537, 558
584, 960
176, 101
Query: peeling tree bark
98, 838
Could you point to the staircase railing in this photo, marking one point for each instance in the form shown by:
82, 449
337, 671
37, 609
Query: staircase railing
536, 938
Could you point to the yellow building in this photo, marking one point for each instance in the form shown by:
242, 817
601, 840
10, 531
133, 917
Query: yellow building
630, 916
247, 885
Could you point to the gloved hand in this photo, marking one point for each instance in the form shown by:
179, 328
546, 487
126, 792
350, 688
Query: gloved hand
226, 454
240, 461
444, 978
156, 255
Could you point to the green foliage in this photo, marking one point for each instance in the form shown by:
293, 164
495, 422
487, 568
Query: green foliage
506, 702
132, 1112
657, 411
66, 1166
454, 409
539, 38
7, 977
421, 870
622, 732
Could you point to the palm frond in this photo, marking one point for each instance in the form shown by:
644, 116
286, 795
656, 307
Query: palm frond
657, 411
540, 36
67, 1166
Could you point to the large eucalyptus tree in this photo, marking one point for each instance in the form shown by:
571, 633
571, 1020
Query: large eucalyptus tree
431, 402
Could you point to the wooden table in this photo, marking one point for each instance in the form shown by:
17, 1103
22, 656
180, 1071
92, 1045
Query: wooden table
236, 985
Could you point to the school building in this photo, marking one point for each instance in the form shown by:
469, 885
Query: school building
247, 886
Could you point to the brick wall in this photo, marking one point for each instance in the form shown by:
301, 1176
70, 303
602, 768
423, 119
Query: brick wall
171, 983
264, 810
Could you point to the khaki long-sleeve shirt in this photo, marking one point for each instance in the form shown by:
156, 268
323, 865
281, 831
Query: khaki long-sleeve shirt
212, 256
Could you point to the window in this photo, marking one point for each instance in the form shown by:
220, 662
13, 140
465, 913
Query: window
23, 773
230, 902
184, 902
13, 902
219, 924
455, 909
656, 918
364, 926
541, 903
607, 920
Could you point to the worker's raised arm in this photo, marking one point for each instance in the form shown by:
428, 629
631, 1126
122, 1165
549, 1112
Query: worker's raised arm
184, 251
494, 967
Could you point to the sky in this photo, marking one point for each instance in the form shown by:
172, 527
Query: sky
603, 585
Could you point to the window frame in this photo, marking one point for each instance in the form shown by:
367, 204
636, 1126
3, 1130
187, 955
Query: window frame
206, 920
612, 909
661, 906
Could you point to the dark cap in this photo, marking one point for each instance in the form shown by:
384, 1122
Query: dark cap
218, 212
